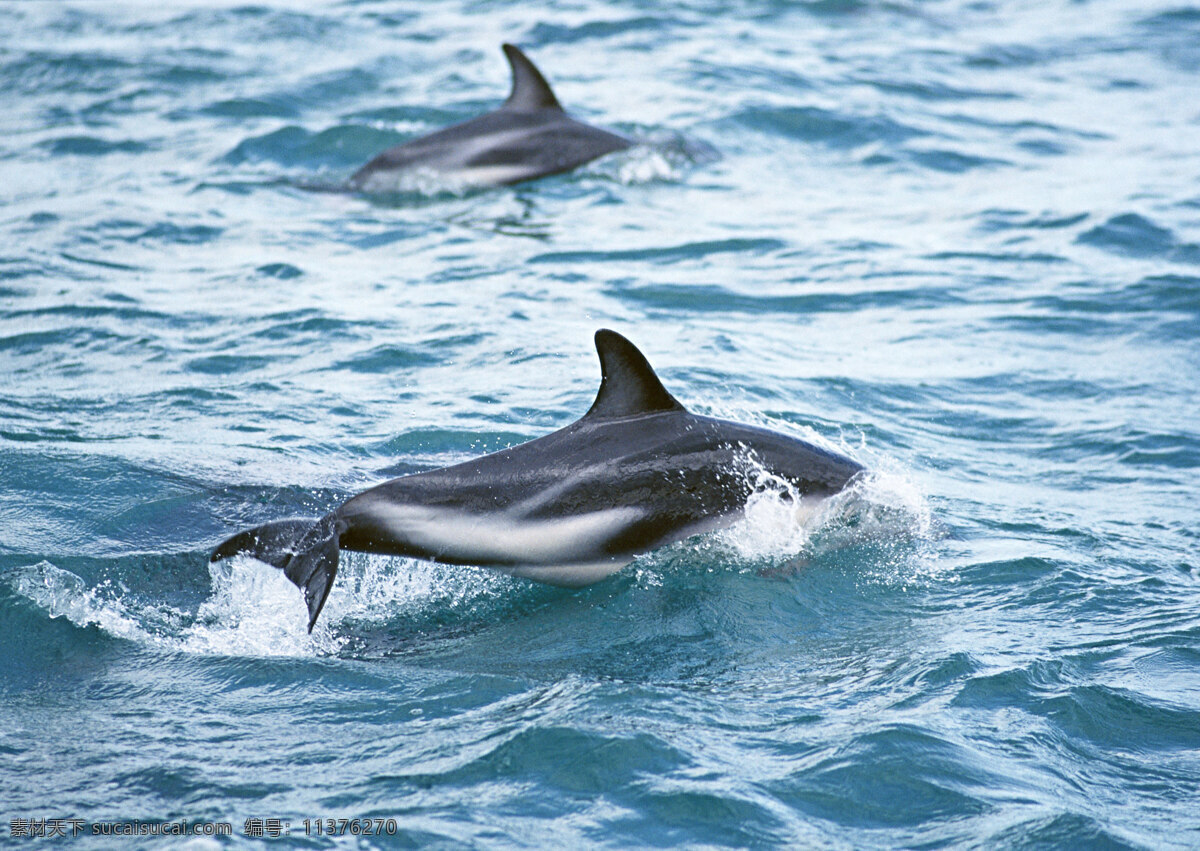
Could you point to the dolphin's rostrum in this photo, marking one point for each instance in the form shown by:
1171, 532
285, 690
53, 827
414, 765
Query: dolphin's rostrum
635, 472
529, 136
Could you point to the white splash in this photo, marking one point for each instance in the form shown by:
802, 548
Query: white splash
254, 611
658, 157
780, 526
421, 181
64, 595
378, 588
641, 164
777, 521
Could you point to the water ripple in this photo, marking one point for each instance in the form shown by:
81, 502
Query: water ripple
957, 241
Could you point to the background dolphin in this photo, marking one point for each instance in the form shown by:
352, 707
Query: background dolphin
635, 472
529, 136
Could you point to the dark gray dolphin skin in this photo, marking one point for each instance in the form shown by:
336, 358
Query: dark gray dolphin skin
529, 136
637, 471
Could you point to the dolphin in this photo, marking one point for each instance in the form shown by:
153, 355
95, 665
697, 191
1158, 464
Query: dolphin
529, 136
637, 471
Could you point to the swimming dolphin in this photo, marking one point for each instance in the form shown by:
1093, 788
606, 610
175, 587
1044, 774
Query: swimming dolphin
635, 472
528, 136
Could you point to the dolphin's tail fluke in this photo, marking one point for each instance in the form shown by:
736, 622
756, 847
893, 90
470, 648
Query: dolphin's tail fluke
305, 550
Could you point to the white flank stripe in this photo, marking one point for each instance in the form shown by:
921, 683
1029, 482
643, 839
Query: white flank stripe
500, 539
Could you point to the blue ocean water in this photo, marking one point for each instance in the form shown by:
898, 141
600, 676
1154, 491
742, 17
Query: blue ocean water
957, 240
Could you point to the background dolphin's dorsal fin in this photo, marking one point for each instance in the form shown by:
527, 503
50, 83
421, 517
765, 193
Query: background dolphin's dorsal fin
530, 90
628, 385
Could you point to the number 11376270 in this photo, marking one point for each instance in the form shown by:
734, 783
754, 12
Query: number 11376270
351, 826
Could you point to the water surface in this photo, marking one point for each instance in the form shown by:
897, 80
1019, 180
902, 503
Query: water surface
959, 241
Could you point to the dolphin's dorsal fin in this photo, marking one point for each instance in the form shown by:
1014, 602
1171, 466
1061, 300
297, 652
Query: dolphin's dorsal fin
628, 385
530, 90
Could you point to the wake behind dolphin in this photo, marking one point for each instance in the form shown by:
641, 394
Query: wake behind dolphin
529, 136
637, 471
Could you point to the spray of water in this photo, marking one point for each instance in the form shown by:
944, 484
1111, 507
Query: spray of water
880, 513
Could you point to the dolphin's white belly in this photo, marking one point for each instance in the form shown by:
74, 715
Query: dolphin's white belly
567, 575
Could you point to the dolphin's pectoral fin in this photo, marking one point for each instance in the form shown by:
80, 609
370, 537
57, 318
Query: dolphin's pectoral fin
530, 90
305, 550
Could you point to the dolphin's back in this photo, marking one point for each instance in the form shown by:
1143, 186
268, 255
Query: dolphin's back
529, 136
501, 147
660, 477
